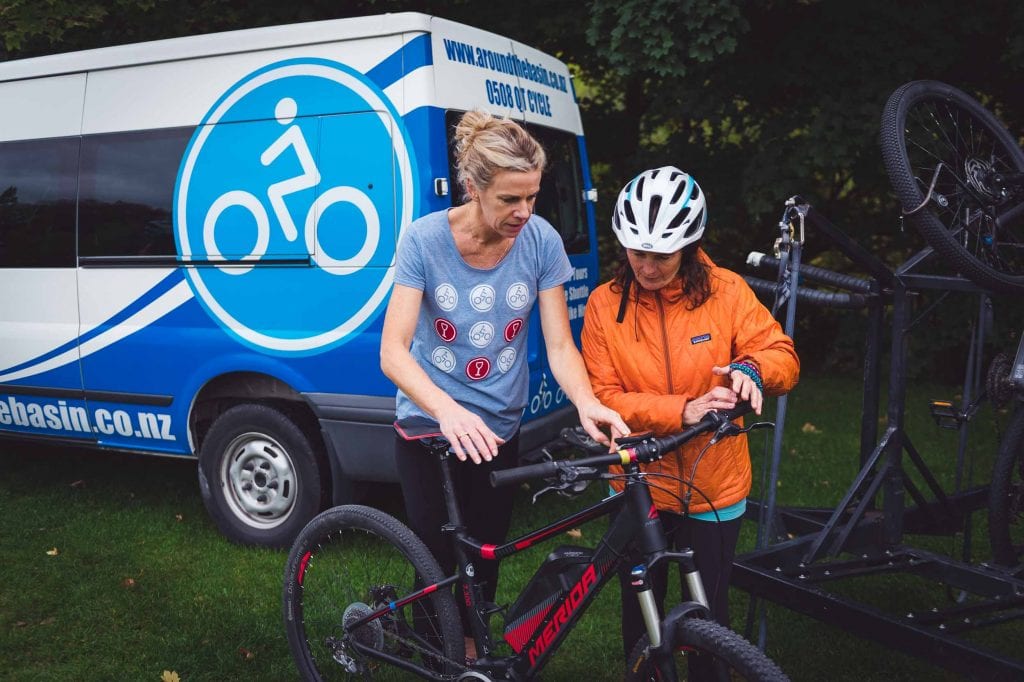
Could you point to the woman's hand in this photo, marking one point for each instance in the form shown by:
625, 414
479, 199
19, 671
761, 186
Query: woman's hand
595, 413
468, 435
718, 398
743, 386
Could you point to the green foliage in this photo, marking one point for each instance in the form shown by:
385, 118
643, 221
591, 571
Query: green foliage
760, 100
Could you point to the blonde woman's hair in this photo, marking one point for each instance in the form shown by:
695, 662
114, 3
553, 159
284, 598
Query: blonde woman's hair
486, 144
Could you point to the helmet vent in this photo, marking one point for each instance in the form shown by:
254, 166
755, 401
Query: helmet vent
655, 207
678, 220
630, 216
678, 193
640, 189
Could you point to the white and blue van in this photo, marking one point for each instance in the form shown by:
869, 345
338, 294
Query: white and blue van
197, 242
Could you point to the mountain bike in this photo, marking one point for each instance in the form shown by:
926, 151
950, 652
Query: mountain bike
959, 175
364, 597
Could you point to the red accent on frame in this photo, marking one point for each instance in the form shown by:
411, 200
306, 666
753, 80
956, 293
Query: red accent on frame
652, 513
487, 551
520, 635
302, 566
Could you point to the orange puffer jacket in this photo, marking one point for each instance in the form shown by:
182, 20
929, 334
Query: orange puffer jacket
660, 356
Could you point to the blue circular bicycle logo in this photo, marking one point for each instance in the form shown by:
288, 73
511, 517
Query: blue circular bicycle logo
289, 201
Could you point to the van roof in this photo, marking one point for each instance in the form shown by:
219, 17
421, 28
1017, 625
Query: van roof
211, 44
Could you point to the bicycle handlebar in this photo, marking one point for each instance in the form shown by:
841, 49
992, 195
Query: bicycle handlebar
646, 449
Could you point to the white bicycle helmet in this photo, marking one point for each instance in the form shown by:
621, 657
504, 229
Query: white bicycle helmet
661, 210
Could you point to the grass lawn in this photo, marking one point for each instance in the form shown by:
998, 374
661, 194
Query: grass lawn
111, 570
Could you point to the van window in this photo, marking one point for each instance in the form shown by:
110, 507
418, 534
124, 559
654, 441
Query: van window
127, 191
37, 203
561, 189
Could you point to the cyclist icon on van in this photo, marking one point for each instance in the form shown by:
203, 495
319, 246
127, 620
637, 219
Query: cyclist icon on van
292, 138
301, 172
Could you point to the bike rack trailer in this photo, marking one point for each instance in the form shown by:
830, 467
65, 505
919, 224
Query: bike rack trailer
810, 551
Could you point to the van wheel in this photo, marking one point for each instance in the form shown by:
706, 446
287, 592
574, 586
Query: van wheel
258, 475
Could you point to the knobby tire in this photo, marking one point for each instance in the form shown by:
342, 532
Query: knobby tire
698, 637
347, 562
926, 123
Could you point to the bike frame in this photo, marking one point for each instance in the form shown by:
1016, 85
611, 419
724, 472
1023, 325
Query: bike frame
634, 524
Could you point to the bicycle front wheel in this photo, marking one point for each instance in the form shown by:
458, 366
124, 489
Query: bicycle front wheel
705, 649
956, 169
345, 564
1006, 495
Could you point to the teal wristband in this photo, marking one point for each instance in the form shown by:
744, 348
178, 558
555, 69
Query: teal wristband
750, 371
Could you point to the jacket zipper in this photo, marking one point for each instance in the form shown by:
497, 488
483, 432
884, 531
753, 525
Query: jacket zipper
664, 342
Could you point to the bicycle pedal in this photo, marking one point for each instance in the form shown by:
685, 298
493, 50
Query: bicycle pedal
945, 414
487, 608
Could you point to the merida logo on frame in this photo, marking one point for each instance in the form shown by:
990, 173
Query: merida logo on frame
564, 612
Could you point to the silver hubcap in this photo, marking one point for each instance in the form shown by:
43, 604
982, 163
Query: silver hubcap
260, 480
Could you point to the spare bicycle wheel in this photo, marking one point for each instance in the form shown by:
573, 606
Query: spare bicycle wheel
957, 171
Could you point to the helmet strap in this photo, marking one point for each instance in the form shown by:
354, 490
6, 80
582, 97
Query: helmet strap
626, 285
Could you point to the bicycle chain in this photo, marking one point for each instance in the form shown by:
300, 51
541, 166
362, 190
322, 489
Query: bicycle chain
460, 665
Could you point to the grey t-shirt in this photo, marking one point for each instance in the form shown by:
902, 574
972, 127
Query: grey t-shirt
473, 324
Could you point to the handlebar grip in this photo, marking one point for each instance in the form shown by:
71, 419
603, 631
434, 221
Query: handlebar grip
837, 279
524, 473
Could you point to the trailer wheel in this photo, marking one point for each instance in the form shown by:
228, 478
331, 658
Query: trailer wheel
259, 476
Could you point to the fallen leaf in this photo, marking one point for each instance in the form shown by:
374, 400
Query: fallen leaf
48, 621
574, 533
179, 517
20, 624
246, 654
170, 676
53, 552
78, 484
128, 583
810, 428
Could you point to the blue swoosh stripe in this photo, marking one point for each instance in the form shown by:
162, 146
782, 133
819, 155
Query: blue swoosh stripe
413, 55
158, 290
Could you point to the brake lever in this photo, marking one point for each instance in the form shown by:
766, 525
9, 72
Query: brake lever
729, 428
570, 484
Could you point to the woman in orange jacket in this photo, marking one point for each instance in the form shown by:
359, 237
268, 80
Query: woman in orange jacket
671, 337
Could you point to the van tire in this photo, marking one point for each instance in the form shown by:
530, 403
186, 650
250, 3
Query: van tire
259, 476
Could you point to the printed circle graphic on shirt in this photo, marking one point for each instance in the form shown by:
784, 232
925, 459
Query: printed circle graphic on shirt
446, 297
481, 333
506, 358
513, 328
482, 297
263, 180
445, 329
478, 368
443, 358
517, 296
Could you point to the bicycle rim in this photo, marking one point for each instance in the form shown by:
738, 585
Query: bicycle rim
947, 158
339, 572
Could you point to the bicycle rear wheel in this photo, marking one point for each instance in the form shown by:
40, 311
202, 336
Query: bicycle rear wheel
1006, 495
346, 563
933, 133
713, 649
